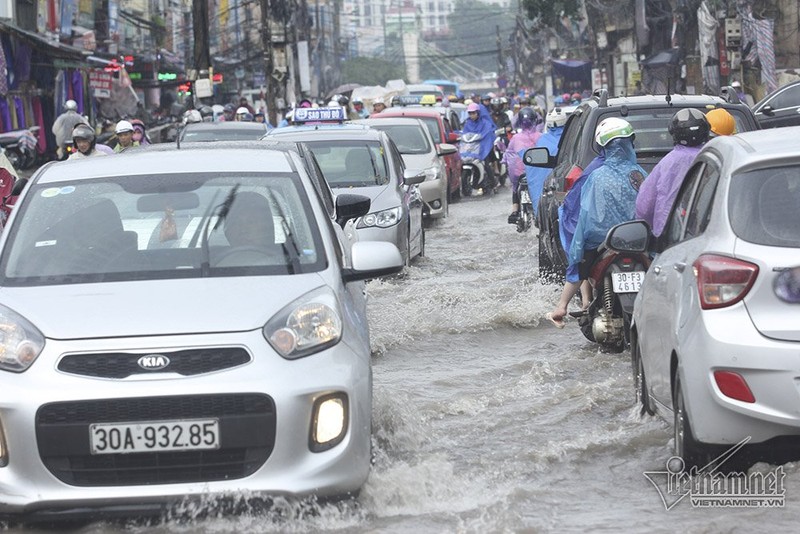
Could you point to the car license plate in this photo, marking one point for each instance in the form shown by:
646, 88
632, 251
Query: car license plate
155, 436
627, 282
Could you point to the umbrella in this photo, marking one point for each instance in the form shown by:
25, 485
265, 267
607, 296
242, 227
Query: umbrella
342, 89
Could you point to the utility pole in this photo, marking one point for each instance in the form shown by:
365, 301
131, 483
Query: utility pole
202, 59
269, 67
501, 65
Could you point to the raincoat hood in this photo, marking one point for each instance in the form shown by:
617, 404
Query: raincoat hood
608, 197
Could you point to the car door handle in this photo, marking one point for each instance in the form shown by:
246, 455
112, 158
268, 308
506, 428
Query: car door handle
679, 266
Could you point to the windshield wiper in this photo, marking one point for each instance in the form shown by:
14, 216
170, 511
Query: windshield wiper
224, 209
290, 253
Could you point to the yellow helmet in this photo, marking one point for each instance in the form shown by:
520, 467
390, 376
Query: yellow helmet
721, 122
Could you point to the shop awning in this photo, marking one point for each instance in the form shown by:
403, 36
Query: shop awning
53, 48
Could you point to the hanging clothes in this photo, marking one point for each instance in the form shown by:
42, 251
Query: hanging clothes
760, 33
3, 72
5, 115
707, 27
20, 113
77, 89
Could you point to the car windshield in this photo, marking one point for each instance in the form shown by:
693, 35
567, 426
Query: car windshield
351, 163
651, 127
409, 139
162, 226
764, 206
227, 134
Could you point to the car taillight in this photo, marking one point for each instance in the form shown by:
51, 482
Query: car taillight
572, 176
723, 281
733, 385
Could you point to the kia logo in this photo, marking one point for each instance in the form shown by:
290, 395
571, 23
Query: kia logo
153, 362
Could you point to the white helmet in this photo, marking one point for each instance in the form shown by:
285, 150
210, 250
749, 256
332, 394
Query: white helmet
71, 105
735, 84
124, 126
242, 110
612, 128
556, 118
192, 115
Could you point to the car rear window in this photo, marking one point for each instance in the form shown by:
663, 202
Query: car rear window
652, 127
433, 126
764, 206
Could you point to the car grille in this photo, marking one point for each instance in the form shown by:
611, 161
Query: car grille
247, 437
184, 362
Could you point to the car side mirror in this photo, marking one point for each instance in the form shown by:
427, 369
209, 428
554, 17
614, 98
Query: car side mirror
349, 206
19, 186
452, 137
446, 149
631, 236
411, 177
767, 110
539, 157
372, 259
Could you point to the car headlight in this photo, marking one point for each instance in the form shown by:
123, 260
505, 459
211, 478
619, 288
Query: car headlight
328, 422
431, 173
381, 219
307, 325
20, 341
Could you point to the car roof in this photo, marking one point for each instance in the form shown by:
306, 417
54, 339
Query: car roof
324, 131
227, 156
226, 125
411, 111
674, 100
759, 146
392, 120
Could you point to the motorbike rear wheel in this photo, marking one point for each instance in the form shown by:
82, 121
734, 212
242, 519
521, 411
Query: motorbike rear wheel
466, 182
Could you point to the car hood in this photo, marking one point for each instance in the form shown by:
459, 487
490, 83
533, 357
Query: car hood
418, 162
157, 307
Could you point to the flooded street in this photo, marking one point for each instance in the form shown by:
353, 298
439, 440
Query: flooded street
488, 419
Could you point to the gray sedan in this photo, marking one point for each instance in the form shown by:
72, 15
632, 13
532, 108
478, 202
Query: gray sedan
188, 324
714, 347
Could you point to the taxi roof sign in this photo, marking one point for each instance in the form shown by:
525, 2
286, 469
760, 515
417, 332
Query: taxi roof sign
414, 100
332, 114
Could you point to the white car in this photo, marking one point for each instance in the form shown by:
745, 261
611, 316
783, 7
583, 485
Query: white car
713, 346
183, 324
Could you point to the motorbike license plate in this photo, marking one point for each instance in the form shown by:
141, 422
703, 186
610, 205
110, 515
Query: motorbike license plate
627, 282
524, 197
155, 436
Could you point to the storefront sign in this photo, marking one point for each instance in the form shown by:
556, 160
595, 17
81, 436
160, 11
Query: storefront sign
100, 82
167, 76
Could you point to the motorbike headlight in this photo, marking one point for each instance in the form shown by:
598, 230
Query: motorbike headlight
381, 219
307, 325
20, 341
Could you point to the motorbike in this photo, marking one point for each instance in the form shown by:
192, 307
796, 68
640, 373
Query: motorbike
500, 144
474, 174
525, 219
616, 273
20, 146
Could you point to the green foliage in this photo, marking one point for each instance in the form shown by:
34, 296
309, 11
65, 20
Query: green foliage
549, 12
370, 71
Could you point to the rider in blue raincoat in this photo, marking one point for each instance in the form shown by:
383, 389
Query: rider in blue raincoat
536, 176
478, 123
608, 197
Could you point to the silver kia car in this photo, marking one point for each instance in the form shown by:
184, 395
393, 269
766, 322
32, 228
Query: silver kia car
714, 346
183, 323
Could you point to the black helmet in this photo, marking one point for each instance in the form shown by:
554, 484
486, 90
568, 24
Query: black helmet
497, 104
689, 127
207, 113
526, 118
343, 101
